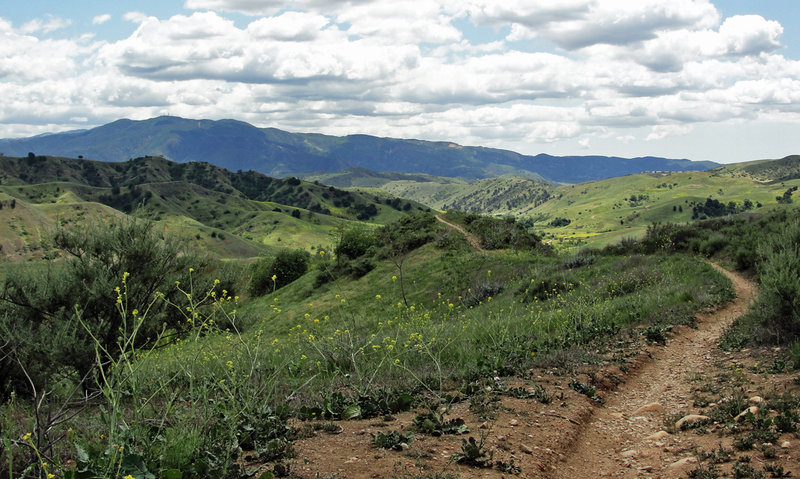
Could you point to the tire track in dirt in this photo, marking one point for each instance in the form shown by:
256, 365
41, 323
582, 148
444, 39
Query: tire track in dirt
618, 440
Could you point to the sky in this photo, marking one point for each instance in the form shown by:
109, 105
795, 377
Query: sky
699, 79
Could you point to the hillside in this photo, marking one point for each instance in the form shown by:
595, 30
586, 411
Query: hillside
499, 195
236, 145
230, 214
440, 345
599, 212
784, 169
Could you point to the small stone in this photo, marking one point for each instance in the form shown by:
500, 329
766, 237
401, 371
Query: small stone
658, 436
403, 446
742, 415
524, 448
785, 445
755, 400
690, 421
631, 453
513, 422
682, 463
652, 408
484, 425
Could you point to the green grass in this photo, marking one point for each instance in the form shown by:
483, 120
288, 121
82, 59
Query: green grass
599, 213
352, 348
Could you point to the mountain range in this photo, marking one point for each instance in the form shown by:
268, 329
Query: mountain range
236, 145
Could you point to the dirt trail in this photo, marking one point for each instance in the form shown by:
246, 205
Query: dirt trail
572, 437
473, 241
618, 440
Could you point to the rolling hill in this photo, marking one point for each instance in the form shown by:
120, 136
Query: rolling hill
496, 196
229, 214
599, 212
236, 145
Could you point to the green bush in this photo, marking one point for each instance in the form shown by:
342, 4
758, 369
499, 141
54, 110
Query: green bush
355, 242
287, 266
38, 303
779, 271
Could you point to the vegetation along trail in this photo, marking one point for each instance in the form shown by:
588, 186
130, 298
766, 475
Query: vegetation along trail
473, 241
626, 437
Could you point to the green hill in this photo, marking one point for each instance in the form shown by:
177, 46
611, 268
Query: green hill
498, 195
229, 214
599, 212
787, 168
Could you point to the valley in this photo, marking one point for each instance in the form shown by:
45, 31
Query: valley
429, 327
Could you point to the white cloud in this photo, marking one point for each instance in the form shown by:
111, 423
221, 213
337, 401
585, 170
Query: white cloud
135, 17
289, 26
750, 35
659, 132
101, 19
48, 24
577, 24
402, 21
404, 68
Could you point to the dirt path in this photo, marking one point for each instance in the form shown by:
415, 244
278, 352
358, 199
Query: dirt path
473, 241
573, 437
624, 438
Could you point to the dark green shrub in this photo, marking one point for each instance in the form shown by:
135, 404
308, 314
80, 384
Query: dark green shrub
779, 270
287, 266
481, 292
405, 235
559, 222
38, 303
355, 242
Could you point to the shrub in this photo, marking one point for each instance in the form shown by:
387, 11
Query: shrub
779, 269
38, 303
287, 266
355, 242
559, 222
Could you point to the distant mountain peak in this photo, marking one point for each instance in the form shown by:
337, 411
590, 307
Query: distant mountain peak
237, 145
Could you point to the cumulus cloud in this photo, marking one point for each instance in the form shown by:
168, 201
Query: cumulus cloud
46, 25
577, 24
289, 26
409, 68
101, 19
205, 45
659, 132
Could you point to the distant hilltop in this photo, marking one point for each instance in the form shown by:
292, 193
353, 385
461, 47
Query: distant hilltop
237, 145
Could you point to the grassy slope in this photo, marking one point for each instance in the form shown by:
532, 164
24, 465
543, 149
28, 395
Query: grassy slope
197, 201
597, 209
598, 213
500, 195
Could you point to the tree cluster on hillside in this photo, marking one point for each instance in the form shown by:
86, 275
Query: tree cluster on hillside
497, 233
713, 208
